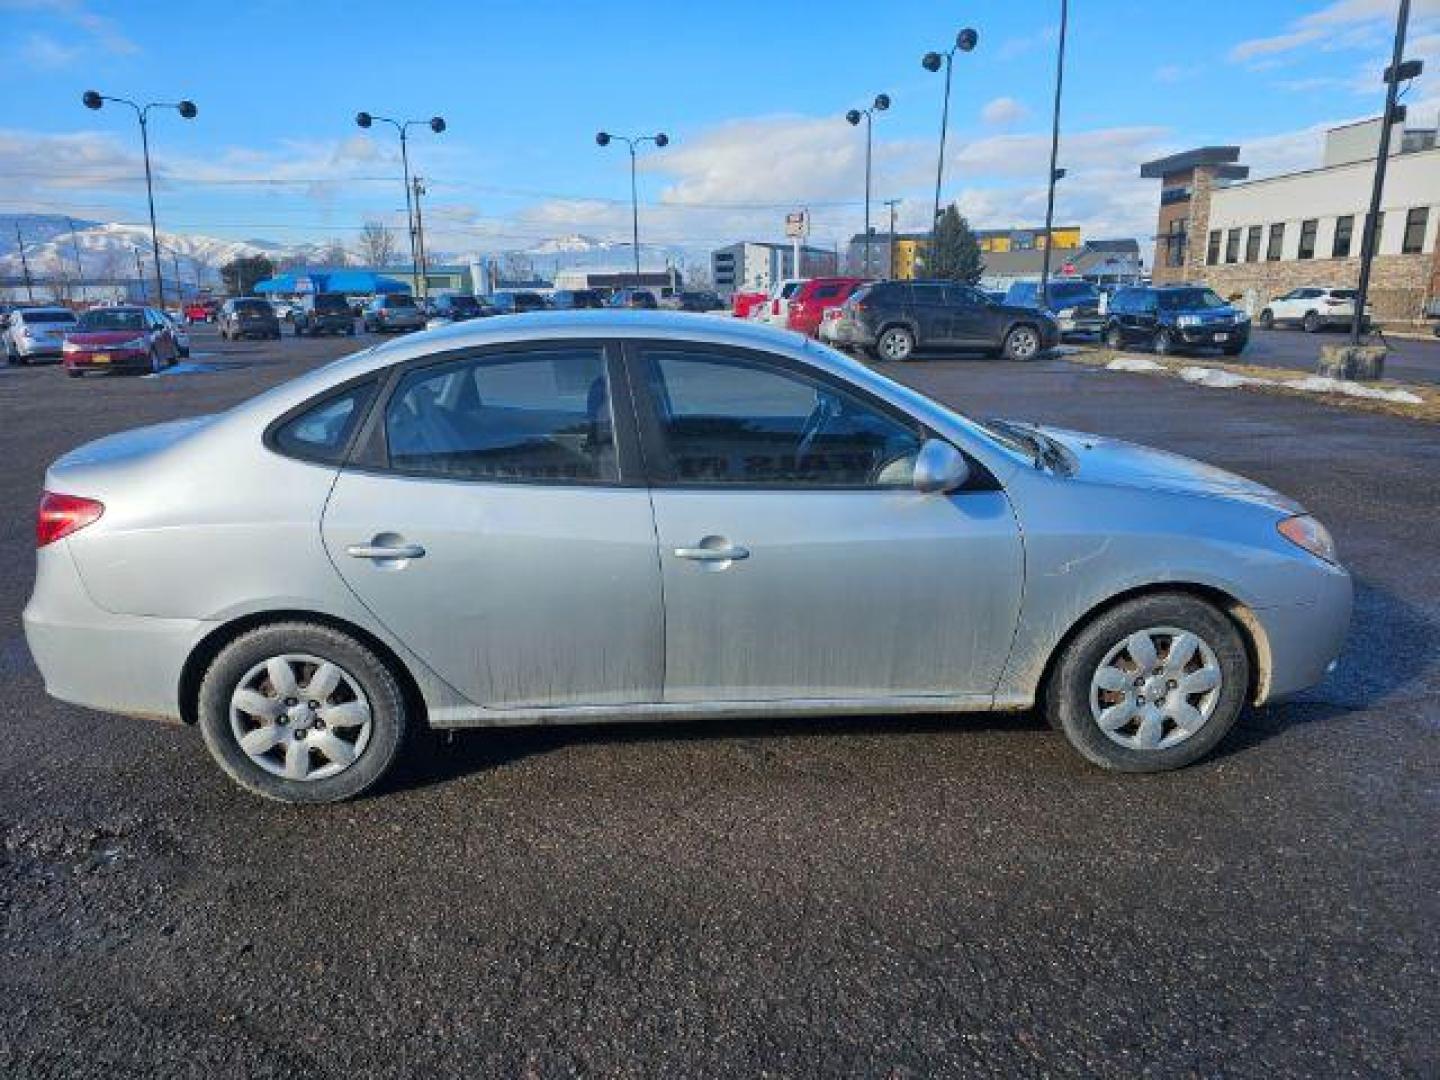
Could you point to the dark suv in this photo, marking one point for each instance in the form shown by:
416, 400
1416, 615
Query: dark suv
458, 307
1173, 318
633, 298
323, 313
1075, 303
247, 316
893, 319
568, 299
517, 303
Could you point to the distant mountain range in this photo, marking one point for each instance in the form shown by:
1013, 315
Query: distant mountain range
54, 244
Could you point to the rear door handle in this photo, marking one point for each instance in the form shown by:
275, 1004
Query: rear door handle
712, 554
385, 551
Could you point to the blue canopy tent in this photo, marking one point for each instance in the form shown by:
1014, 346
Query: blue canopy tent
350, 282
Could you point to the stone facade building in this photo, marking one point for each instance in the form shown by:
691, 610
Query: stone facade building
1261, 238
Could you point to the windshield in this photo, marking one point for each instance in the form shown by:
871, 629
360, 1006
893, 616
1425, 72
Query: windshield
49, 317
1189, 299
113, 319
399, 301
464, 303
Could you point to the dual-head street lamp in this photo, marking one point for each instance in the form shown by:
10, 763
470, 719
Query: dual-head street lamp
94, 100
661, 140
965, 41
435, 124
853, 117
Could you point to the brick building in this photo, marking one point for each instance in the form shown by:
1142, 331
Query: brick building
1269, 236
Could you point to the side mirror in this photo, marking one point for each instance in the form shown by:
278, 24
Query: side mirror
939, 468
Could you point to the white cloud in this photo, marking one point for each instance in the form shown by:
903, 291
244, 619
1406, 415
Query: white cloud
1003, 111
95, 31
43, 51
1340, 24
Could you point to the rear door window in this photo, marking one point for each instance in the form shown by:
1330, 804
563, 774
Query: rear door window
322, 432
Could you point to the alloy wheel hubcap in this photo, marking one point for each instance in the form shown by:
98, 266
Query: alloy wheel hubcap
300, 717
1155, 688
896, 346
1022, 343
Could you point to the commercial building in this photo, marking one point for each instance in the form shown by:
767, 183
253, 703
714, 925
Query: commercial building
907, 250
1258, 239
755, 266
662, 283
1103, 262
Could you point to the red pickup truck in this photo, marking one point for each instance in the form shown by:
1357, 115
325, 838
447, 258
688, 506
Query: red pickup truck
743, 303
808, 306
201, 311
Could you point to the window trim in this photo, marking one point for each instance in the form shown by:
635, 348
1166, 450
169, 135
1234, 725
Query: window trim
269, 438
1252, 243
1410, 222
1313, 225
1275, 242
1348, 235
647, 416
370, 452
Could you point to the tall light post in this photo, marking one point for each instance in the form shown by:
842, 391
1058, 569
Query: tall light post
853, 117
1399, 71
965, 41
1055, 174
435, 124
94, 100
661, 140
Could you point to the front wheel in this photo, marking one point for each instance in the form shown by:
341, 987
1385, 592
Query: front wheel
1152, 684
1022, 343
896, 343
1267, 319
1164, 343
302, 713
1311, 322
1113, 338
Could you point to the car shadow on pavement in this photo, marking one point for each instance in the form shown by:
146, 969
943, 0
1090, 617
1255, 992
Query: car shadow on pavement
438, 757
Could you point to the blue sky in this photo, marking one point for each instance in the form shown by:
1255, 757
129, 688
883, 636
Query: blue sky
754, 105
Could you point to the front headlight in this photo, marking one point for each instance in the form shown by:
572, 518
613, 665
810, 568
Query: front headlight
1304, 531
1188, 320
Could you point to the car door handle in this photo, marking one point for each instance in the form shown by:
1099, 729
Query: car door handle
385, 551
712, 554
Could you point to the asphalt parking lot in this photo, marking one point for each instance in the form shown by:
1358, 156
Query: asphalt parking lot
908, 897
1411, 359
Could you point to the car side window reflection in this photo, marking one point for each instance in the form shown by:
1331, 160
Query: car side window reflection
729, 419
531, 416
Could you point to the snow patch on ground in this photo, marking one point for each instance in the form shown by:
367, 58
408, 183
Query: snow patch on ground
1133, 363
1321, 384
1221, 380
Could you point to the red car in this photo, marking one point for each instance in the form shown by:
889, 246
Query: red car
807, 307
742, 303
200, 311
119, 339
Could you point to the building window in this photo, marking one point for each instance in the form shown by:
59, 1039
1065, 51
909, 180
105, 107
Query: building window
1308, 229
1212, 252
1175, 244
1232, 246
1277, 242
1252, 244
1415, 222
1344, 226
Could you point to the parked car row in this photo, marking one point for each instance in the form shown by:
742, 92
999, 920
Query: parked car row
122, 337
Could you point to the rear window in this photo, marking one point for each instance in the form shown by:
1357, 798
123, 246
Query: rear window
47, 316
322, 432
262, 306
464, 303
399, 301
1343, 294
1189, 299
789, 290
113, 319
331, 302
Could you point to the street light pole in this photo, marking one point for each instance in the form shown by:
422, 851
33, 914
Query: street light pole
435, 124
79, 264
24, 263
1054, 152
139, 274
661, 140
892, 203
965, 41
93, 100
1368, 241
880, 104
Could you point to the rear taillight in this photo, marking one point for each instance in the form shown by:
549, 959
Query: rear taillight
60, 515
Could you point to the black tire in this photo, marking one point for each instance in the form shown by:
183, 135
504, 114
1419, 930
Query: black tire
1311, 322
1164, 343
1114, 339
388, 712
1234, 350
350, 331
298, 331
156, 364
895, 343
73, 373
1267, 319
1022, 342
1067, 694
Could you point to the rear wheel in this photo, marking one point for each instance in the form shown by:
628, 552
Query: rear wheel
1164, 343
896, 343
1113, 338
1267, 319
302, 713
1022, 343
157, 365
1311, 322
1152, 684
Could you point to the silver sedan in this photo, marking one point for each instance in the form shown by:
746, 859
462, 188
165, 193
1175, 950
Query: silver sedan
595, 515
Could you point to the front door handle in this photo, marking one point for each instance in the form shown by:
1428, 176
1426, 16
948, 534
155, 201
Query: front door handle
385, 551
712, 554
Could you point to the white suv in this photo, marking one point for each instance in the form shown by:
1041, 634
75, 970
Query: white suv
775, 311
1313, 307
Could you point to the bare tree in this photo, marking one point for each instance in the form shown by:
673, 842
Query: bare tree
377, 244
335, 254
516, 266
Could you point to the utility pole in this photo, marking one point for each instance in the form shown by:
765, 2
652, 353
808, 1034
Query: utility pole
179, 286
1055, 173
1397, 70
140, 275
24, 264
892, 203
420, 284
79, 264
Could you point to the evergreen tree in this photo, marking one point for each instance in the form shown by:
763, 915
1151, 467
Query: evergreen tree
957, 253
